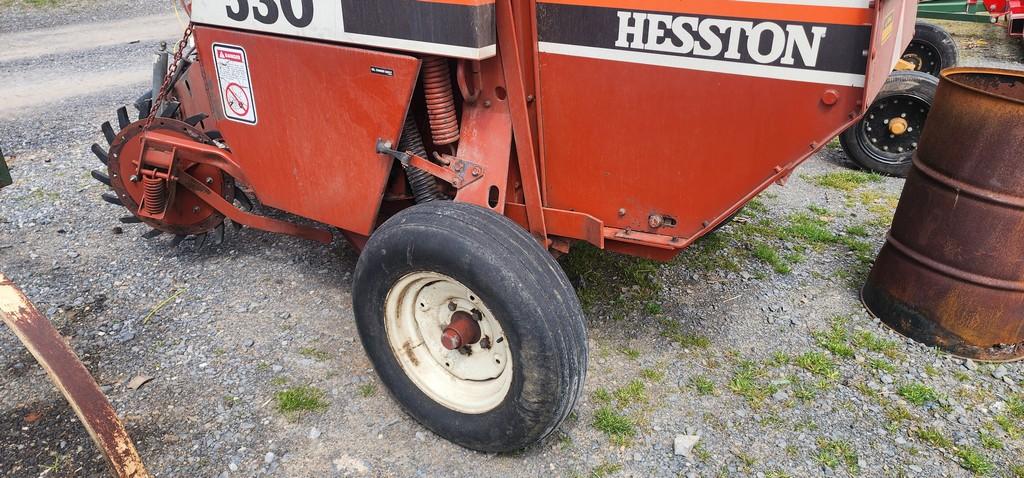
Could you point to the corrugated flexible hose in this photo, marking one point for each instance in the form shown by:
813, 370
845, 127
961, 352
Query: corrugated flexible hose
424, 186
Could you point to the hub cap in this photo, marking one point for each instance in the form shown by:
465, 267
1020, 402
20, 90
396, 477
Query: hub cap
448, 342
892, 128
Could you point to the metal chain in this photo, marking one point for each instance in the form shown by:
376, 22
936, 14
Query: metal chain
171, 70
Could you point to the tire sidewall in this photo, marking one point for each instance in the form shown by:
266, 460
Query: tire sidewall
938, 39
401, 249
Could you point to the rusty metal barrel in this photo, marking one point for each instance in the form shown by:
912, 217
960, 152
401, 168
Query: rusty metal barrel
951, 273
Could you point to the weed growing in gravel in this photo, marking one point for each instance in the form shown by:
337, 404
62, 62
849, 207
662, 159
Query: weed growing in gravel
804, 391
846, 180
818, 364
703, 385
702, 454
776, 473
881, 365
602, 396
974, 461
300, 399
631, 353
605, 470
835, 338
1017, 471
279, 381
315, 354
747, 382
990, 441
809, 228
367, 390
631, 393
653, 374
779, 358
712, 252
1015, 407
898, 413
673, 330
1011, 429
833, 453
917, 393
869, 341
610, 282
768, 255
858, 230
934, 437
619, 428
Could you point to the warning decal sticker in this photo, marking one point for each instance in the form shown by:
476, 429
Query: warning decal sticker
235, 85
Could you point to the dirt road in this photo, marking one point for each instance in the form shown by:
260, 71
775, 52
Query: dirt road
754, 340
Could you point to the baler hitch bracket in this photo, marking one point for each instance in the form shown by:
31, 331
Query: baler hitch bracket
457, 172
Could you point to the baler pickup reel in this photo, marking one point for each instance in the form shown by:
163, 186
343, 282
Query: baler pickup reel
176, 179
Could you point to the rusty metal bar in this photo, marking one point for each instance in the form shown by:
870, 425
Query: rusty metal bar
72, 379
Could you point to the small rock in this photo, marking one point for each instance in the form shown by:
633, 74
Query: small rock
232, 466
780, 396
314, 433
269, 457
138, 381
421, 436
684, 444
250, 343
970, 364
276, 368
886, 378
1000, 372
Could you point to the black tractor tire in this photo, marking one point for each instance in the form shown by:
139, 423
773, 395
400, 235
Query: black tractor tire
906, 96
516, 280
932, 49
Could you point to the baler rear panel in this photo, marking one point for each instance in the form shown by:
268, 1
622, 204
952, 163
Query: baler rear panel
321, 109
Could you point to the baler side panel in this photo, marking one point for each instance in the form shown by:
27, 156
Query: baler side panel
321, 109
893, 31
636, 126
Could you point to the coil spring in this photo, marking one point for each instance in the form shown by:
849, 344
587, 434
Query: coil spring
424, 186
437, 86
154, 193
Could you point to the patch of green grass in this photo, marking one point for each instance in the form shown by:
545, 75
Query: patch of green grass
819, 364
713, 252
804, 391
934, 437
367, 390
703, 385
609, 282
821, 211
702, 453
869, 341
315, 354
768, 255
1008, 426
974, 461
673, 330
833, 453
1017, 471
881, 365
776, 473
630, 393
846, 180
809, 228
917, 393
653, 374
605, 470
619, 428
779, 358
990, 441
602, 396
858, 230
898, 413
835, 338
631, 353
747, 382
300, 399
1015, 407
279, 381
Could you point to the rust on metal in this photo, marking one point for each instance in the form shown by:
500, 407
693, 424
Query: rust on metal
461, 331
72, 379
951, 273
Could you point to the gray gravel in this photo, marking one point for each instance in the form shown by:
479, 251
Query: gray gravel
246, 315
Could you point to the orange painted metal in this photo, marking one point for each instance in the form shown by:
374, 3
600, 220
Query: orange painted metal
321, 110
72, 379
951, 273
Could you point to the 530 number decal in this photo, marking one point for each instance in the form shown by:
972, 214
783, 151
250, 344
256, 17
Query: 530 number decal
268, 12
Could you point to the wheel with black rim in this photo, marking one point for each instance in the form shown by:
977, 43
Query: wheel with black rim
932, 49
886, 137
471, 325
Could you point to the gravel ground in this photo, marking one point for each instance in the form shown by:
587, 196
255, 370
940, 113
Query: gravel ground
754, 340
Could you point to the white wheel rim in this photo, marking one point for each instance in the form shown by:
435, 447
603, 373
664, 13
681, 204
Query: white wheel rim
471, 380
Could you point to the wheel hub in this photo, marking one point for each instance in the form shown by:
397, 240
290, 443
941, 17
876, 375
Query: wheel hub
448, 342
898, 126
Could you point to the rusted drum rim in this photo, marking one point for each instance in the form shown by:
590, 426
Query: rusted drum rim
950, 75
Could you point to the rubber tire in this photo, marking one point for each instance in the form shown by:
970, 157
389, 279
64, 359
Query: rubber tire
900, 83
937, 38
521, 284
